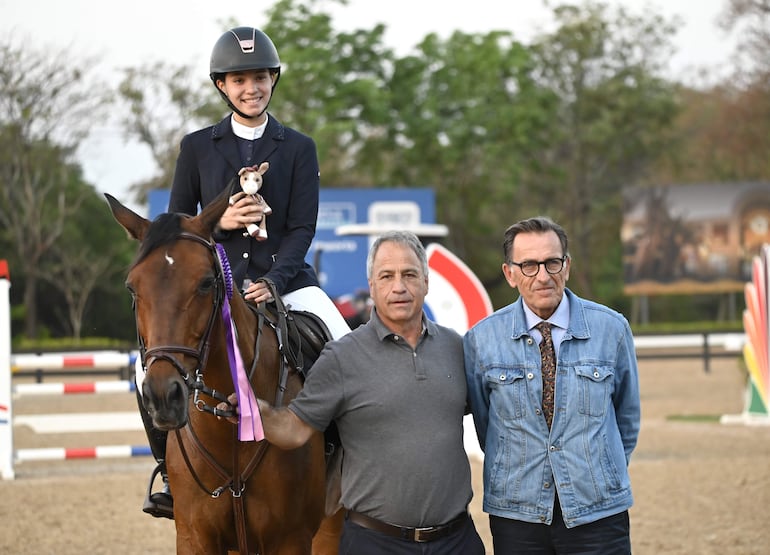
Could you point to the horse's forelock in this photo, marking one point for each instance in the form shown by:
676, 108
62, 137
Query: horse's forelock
163, 230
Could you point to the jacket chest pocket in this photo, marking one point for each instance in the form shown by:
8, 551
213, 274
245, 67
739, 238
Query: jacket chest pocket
507, 391
594, 389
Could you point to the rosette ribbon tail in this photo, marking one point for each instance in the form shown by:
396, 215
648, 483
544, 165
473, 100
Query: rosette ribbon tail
249, 419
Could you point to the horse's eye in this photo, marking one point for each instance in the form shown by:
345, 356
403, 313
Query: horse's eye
207, 284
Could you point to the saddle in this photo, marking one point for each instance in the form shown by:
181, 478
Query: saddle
301, 335
305, 335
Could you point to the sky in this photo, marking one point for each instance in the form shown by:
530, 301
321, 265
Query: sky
137, 32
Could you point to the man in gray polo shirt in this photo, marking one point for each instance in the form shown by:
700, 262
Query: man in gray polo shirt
396, 389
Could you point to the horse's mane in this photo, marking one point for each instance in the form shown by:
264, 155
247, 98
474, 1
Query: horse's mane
163, 229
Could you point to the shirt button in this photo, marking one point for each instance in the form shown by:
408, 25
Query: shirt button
537, 411
552, 448
542, 518
502, 377
547, 485
530, 341
245, 255
596, 374
530, 375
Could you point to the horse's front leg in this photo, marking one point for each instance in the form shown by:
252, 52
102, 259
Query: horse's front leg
192, 541
205, 526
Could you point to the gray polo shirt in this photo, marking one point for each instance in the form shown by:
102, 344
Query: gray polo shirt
400, 416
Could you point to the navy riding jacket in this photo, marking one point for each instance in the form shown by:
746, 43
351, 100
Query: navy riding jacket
209, 161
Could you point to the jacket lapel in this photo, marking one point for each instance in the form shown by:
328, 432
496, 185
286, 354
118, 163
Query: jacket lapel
226, 144
268, 143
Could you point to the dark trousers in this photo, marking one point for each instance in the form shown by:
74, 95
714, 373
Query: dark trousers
357, 540
608, 536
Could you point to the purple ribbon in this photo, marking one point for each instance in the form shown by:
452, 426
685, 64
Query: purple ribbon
249, 419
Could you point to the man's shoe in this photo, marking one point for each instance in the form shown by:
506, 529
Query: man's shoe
159, 504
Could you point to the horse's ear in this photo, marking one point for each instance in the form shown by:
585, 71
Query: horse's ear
209, 216
133, 223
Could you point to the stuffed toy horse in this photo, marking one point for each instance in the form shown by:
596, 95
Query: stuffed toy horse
251, 182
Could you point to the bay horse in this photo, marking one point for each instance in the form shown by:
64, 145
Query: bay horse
229, 494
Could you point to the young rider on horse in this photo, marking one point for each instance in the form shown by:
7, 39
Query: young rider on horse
245, 69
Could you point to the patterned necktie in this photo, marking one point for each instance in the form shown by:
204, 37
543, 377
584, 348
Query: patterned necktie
548, 367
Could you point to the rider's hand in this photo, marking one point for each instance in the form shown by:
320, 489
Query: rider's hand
258, 292
243, 210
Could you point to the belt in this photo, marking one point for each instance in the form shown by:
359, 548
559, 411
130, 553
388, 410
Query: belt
420, 535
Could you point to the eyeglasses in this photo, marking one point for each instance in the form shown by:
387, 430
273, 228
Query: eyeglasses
530, 268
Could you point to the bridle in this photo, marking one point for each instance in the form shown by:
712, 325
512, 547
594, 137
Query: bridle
194, 381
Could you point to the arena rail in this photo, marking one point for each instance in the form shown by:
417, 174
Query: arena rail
703, 345
62, 388
11, 457
106, 363
49, 364
66, 453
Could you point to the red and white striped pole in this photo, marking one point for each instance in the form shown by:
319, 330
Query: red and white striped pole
66, 453
6, 411
102, 360
125, 386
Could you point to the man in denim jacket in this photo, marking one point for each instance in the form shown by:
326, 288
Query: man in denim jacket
553, 482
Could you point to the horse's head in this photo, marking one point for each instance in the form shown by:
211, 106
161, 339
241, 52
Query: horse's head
177, 288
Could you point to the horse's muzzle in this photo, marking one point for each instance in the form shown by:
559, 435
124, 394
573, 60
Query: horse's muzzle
166, 400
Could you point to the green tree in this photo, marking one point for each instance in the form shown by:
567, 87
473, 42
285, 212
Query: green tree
34, 205
723, 131
47, 108
91, 255
751, 18
335, 88
614, 119
468, 120
164, 103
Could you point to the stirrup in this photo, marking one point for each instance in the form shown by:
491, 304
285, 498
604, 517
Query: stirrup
159, 504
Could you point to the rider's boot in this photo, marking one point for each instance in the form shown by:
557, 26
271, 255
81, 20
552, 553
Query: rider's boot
160, 503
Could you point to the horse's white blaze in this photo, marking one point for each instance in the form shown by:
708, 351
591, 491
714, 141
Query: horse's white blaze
169, 259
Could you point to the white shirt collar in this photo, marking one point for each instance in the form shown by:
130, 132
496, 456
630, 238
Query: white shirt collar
560, 317
248, 133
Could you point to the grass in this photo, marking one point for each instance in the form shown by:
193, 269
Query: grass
694, 417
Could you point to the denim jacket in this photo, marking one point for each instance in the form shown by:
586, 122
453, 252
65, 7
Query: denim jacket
596, 415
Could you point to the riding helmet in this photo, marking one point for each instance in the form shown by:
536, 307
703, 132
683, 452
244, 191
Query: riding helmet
244, 48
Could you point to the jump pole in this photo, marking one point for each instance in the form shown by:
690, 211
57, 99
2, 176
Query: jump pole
6, 410
66, 453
